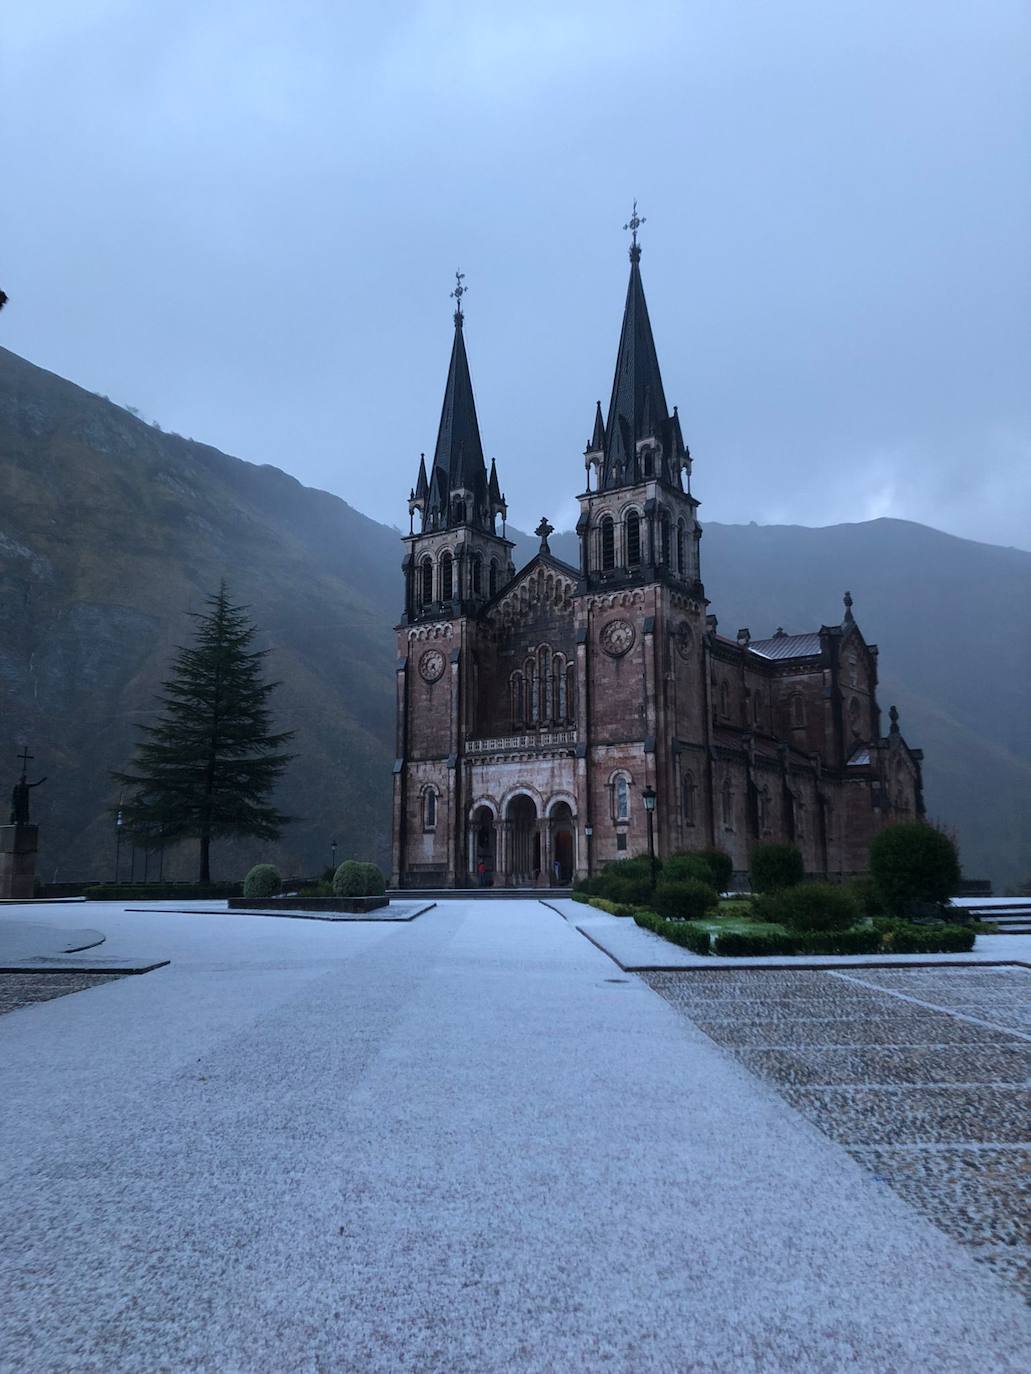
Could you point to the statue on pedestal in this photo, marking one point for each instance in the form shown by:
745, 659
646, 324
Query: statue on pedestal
21, 790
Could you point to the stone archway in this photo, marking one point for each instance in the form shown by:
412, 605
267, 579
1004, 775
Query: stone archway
563, 845
524, 842
483, 848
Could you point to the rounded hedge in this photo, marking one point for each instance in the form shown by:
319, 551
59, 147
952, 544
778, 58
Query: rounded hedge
375, 883
262, 881
813, 906
687, 865
686, 898
625, 880
913, 862
349, 880
721, 866
776, 866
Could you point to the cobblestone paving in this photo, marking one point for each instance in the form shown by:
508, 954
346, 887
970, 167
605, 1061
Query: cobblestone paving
25, 989
921, 1074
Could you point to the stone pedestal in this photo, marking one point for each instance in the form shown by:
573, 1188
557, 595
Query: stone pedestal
18, 846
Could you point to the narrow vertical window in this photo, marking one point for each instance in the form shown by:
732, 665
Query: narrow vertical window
446, 577
727, 804
633, 540
429, 809
664, 539
608, 544
492, 585
518, 699
544, 667
570, 694
681, 567
560, 683
689, 799
427, 581
797, 710
622, 799
477, 574
724, 699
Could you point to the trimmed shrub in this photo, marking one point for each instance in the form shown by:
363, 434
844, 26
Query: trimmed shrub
262, 881
375, 883
581, 895
864, 890
913, 862
838, 942
929, 939
776, 866
613, 908
686, 899
349, 879
677, 932
687, 865
626, 880
721, 866
812, 906
735, 944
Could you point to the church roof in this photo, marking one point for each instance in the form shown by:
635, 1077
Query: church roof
787, 646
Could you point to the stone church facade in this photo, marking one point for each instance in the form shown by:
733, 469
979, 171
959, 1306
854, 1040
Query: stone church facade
536, 706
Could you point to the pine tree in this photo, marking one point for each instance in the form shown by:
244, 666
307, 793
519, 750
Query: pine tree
205, 770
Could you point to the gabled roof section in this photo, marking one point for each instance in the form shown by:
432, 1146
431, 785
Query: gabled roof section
637, 408
787, 646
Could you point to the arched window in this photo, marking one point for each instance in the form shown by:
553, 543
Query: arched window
727, 804
447, 577
608, 544
492, 583
633, 540
797, 710
664, 538
681, 566
762, 802
560, 689
621, 798
544, 670
649, 463
690, 791
724, 698
477, 574
534, 686
426, 569
458, 514
518, 699
429, 809
570, 695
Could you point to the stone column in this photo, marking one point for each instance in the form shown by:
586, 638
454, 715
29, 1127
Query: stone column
18, 847
544, 831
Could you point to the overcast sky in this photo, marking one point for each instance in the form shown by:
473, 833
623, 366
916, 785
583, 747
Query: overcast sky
244, 219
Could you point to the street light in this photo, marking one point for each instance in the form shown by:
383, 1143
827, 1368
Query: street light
333, 855
588, 833
648, 796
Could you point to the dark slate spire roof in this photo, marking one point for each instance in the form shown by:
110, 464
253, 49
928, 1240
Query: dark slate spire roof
458, 462
638, 407
597, 444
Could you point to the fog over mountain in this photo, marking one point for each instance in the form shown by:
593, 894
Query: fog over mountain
111, 531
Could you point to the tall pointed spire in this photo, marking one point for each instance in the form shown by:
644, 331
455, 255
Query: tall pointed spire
637, 409
458, 478
597, 444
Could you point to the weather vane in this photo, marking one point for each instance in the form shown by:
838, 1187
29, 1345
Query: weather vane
633, 224
457, 294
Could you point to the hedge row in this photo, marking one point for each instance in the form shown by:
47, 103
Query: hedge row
161, 892
905, 939
677, 932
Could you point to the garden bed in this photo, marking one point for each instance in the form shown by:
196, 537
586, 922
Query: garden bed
350, 905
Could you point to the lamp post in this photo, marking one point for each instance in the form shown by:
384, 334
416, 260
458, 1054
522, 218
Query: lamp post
333, 855
648, 796
118, 843
588, 835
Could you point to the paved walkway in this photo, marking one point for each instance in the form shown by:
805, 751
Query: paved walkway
451, 1145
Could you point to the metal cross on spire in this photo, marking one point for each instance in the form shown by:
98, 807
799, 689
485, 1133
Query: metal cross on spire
457, 294
26, 758
633, 224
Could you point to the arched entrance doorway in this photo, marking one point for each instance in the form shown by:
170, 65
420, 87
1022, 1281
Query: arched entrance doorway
483, 847
563, 855
524, 859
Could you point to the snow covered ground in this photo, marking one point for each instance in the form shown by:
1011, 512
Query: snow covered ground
466, 1143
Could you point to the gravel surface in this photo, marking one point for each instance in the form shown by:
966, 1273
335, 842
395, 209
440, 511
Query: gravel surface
19, 990
921, 1074
463, 1145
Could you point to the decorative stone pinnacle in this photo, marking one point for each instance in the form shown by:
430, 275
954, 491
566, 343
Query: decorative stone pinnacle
893, 716
542, 531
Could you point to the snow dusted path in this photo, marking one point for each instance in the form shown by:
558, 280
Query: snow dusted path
454, 1145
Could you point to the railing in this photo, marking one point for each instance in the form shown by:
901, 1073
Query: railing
507, 744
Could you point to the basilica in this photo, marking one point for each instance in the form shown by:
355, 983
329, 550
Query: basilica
551, 718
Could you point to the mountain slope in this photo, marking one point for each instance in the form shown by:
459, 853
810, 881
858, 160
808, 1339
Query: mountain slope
110, 531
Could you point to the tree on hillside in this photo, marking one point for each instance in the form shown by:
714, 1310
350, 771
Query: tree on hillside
206, 768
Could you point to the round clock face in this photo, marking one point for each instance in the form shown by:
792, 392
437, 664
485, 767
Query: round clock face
431, 665
617, 637
684, 639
